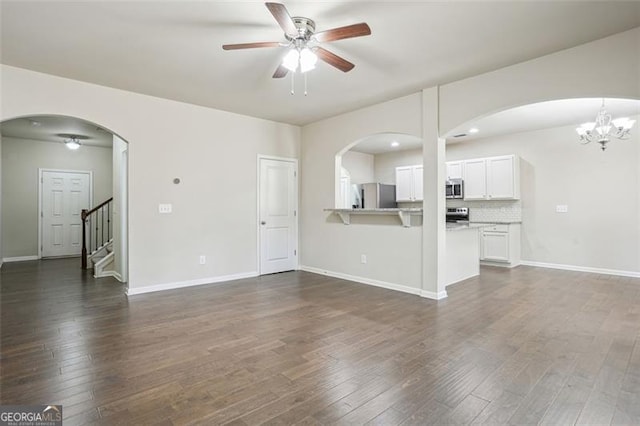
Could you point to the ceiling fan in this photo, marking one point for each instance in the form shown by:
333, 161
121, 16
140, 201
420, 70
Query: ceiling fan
303, 42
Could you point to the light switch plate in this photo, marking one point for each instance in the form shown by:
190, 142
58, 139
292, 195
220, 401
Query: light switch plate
562, 208
164, 208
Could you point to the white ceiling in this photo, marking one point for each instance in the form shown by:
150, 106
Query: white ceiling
172, 49
526, 118
544, 115
381, 143
49, 128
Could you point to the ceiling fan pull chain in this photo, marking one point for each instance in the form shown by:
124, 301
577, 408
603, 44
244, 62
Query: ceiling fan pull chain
305, 84
293, 90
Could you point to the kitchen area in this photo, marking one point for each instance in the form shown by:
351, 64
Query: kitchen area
483, 213
483, 198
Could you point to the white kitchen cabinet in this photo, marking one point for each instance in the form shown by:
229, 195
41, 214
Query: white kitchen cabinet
500, 245
418, 183
455, 170
409, 183
475, 179
492, 178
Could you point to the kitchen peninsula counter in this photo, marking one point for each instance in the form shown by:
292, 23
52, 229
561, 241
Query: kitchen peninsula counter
403, 213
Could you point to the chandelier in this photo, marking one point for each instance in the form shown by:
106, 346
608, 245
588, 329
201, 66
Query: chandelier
604, 128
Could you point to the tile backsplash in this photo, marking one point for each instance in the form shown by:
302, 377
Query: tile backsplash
490, 211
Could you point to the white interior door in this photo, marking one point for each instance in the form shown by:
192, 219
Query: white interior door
64, 195
278, 201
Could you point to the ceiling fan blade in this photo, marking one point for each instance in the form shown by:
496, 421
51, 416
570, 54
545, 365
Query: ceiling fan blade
355, 30
334, 60
280, 72
250, 45
279, 11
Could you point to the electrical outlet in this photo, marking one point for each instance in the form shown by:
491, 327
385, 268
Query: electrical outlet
562, 208
165, 208
203, 259
363, 258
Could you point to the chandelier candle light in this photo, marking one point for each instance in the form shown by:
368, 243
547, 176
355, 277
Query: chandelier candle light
604, 128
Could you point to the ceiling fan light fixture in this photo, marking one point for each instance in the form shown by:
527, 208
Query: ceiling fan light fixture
308, 60
291, 60
72, 144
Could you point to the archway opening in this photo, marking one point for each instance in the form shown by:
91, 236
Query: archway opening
567, 197
64, 193
373, 160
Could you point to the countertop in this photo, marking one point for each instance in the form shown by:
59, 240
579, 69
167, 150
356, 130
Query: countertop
452, 226
499, 222
382, 210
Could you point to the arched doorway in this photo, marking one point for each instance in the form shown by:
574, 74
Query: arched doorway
374, 159
573, 195
53, 168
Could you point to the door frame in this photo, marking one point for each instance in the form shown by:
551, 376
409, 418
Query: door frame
41, 171
297, 216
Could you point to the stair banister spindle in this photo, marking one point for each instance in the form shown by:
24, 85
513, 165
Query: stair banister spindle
93, 238
108, 221
102, 226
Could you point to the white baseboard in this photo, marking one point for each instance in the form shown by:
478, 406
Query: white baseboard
19, 258
113, 274
190, 283
434, 295
376, 283
617, 272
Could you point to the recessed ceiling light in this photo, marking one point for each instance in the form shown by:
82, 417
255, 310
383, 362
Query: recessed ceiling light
395, 144
473, 130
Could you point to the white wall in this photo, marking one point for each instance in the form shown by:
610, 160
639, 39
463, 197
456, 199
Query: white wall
602, 227
385, 164
21, 159
572, 73
393, 252
608, 68
359, 165
213, 152
120, 236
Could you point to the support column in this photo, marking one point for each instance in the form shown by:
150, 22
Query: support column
433, 222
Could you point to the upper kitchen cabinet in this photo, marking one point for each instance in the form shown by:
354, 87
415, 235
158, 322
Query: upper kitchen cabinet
455, 170
409, 183
493, 178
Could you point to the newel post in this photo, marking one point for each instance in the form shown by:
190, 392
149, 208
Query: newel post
84, 238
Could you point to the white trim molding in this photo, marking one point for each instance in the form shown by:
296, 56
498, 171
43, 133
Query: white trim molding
19, 258
112, 274
433, 295
376, 283
190, 283
632, 274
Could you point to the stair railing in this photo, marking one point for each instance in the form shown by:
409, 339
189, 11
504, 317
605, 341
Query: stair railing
96, 229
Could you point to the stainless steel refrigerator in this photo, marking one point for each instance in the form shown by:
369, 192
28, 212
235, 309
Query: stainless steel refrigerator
375, 196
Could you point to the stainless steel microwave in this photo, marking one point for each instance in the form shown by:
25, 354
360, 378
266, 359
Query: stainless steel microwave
455, 188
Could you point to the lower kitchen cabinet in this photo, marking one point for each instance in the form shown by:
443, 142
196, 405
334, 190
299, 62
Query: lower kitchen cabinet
500, 245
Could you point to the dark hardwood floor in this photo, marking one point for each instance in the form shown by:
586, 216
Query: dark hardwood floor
519, 346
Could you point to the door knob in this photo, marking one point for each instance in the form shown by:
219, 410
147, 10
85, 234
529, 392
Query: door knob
263, 223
